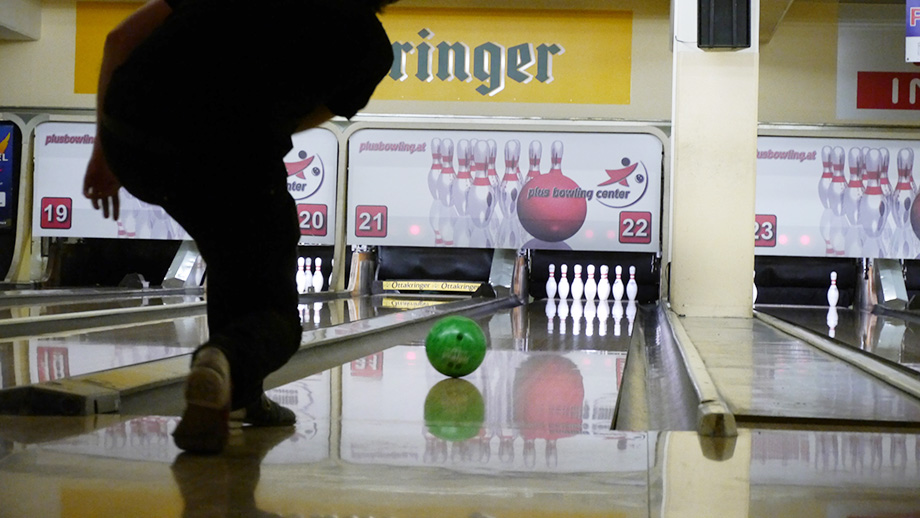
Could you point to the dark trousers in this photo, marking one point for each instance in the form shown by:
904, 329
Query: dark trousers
245, 224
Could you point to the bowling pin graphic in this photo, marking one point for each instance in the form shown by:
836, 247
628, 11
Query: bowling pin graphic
873, 206
903, 193
854, 187
480, 200
618, 287
632, 289
578, 285
603, 286
564, 282
535, 155
555, 156
447, 176
833, 294
464, 180
838, 183
490, 168
590, 284
883, 177
551, 282
301, 276
435, 171
827, 175
434, 219
510, 184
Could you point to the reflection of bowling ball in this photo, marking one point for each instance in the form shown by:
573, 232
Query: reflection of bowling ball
454, 410
545, 213
549, 396
455, 346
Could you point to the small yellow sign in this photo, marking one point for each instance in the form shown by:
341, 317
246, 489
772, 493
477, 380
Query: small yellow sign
454, 286
391, 303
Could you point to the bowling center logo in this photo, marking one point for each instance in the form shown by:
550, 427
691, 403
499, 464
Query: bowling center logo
624, 186
305, 175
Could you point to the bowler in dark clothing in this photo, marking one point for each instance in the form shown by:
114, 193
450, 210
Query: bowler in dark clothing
196, 106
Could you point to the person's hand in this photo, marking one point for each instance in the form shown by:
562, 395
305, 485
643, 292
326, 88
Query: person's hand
101, 186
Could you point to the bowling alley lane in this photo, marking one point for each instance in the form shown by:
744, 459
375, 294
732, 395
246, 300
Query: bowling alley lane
40, 359
527, 434
890, 336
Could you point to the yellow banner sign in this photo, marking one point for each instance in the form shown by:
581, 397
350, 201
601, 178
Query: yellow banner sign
456, 286
466, 55
503, 55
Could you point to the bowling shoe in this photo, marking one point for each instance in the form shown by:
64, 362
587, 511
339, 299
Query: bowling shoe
205, 423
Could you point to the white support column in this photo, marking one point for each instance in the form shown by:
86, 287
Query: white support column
713, 153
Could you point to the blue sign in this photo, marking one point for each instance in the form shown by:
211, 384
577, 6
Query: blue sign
8, 147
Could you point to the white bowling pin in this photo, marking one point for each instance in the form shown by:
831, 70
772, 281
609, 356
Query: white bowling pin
578, 285
564, 282
551, 283
833, 295
308, 275
435, 172
632, 289
603, 286
618, 287
301, 276
590, 284
318, 275
755, 288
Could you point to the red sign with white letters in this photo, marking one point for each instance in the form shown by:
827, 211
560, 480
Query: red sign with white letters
888, 90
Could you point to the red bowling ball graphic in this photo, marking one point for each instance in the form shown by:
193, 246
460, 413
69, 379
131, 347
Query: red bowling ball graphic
545, 209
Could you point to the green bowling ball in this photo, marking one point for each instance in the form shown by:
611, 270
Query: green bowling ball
455, 346
454, 410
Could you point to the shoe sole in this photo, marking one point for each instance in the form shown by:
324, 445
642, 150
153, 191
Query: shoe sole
205, 423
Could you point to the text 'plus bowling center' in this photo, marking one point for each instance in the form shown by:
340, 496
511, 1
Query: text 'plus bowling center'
575, 258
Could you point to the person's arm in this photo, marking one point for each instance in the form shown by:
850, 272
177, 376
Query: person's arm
99, 184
